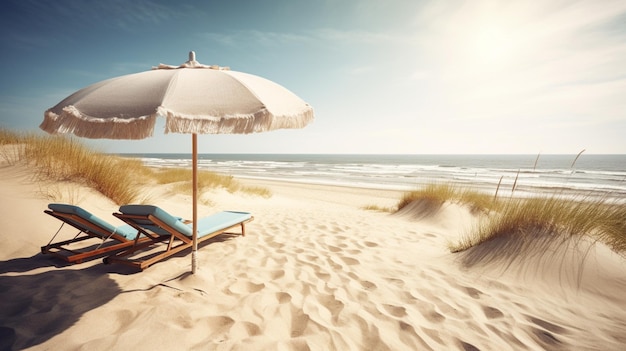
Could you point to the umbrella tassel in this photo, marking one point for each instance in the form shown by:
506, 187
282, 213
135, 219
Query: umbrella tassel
72, 121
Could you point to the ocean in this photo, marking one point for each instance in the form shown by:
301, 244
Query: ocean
589, 175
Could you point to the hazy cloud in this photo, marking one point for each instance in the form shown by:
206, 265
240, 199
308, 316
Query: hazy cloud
499, 59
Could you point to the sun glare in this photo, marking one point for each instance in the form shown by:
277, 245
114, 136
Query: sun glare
491, 45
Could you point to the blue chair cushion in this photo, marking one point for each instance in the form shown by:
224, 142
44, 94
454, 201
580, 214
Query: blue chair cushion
144, 210
206, 225
126, 231
219, 221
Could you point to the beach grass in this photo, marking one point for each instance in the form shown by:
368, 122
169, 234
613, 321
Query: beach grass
66, 159
183, 178
8, 137
533, 220
378, 208
206, 180
553, 216
255, 190
440, 193
63, 159
530, 218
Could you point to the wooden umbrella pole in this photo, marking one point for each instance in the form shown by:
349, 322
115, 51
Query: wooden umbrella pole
194, 161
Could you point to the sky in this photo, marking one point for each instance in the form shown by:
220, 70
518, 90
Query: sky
384, 77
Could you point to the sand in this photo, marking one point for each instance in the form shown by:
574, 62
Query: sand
315, 271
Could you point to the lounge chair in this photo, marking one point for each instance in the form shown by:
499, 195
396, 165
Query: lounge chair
147, 218
77, 249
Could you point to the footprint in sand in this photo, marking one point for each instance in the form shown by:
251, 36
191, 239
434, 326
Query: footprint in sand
434, 335
427, 310
492, 312
218, 324
323, 309
546, 338
353, 276
242, 288
434, 317
299, 322
395, 311
334, 265
283, 297
323, 276
277, 274
350, 261
311, 258
468, 347
473, 293
370, 244
242, 330
367, 285
333, 248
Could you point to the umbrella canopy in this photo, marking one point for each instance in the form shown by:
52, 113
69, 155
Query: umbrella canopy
193, 98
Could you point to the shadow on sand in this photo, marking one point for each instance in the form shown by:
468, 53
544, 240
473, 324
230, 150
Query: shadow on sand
36, 306
42, 296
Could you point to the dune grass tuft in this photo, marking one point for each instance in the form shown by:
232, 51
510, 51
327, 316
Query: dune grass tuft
8, 137
550, 215
64, 159
440, 193
184, 178
60, 158
256, 191
529, 218
206, 180
377, 208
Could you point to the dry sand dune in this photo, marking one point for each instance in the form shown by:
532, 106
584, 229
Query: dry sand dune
314, 272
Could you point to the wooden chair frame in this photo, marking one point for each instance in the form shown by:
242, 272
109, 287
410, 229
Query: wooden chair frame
87, 230
172, 248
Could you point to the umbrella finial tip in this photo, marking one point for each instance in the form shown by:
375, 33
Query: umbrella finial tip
192, 56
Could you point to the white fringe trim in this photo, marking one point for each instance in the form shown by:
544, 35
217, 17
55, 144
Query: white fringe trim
261, 121
71, 120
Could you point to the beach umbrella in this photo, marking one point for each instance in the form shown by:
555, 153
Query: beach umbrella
193, 98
